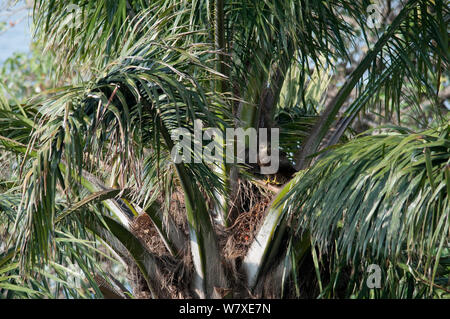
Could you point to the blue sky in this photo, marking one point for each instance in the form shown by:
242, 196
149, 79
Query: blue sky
16, 38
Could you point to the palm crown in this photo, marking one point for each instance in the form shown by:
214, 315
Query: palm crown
94, 183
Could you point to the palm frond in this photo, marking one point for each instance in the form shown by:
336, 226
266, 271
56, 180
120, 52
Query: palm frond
410, 48
383, 195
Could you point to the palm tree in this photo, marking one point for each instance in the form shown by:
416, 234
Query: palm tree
364, 152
